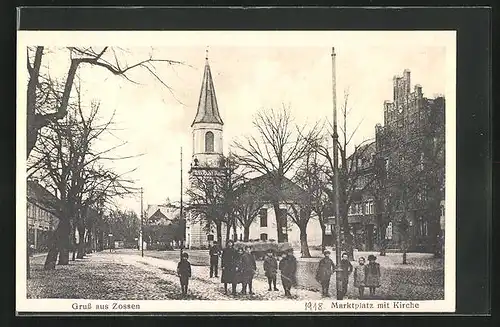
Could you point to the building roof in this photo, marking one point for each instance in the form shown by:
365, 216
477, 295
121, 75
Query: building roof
40, 196
208, 111
263, 188
161, 214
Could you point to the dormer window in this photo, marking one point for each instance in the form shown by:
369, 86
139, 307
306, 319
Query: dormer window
196, 162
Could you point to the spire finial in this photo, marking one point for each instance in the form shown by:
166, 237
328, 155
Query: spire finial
206, 53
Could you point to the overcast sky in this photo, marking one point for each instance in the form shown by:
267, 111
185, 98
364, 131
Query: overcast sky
247, 78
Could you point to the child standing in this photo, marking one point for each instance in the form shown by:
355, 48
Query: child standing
184, 272
360, 276
346, 266
326, 267
372, 272
270, 269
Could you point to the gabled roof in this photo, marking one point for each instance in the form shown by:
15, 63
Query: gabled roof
160, 213
262, 188
208, 111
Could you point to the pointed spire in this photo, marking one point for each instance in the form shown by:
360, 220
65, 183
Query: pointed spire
208, 111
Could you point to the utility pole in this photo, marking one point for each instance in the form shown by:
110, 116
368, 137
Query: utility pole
335, 136
142, 224
183, 223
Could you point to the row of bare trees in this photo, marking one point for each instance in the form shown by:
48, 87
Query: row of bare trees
65, 147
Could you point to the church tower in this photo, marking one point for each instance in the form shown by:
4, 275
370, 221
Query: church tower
207, 126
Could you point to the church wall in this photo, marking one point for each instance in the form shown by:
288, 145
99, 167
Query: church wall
313, 229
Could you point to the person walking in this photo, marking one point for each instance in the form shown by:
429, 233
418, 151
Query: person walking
214, 253
288, 268
271, 269
326, 267
184, 272
360, 277
248, 268
372, 272
228, 262
346, 267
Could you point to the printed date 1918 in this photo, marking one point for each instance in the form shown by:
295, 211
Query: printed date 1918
314, 306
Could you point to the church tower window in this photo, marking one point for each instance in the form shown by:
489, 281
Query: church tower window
209, 142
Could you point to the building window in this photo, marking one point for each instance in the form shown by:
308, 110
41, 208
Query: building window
263, 217
210, 237
263, 237
241, 237
209, 142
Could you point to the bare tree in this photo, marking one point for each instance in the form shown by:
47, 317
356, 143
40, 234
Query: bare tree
311, 177
352, 179
213, 195
275, 152
48, 100
65, 158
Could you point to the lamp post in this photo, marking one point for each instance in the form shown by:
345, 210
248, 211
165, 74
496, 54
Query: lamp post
335, 137
110, 236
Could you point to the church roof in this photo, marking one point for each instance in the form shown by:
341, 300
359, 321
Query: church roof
208, 111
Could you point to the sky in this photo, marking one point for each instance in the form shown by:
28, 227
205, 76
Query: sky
248, 76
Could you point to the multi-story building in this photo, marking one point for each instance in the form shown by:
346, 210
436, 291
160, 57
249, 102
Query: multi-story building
410, 148
41, 216
361, 213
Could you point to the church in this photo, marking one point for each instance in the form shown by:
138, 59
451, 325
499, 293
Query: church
207, 155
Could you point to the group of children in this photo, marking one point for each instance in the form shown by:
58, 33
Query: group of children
239, 267
364, 275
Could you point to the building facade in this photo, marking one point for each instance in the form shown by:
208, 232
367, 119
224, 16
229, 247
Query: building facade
41, 217
410, 149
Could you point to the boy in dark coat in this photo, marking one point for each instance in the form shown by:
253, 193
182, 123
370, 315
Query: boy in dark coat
248, 268
214, 253
346, 267
271, 269
288, 268
325, 270
184, 272
229, 256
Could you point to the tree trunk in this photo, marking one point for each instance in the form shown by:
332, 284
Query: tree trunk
246, 233
348, 238
81, 243
32, 126
58, 244
219, 232
304, 247
323, 237
404, 257
279, 222
228, 232
235, 232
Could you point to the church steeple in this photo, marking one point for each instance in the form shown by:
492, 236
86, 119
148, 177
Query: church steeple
208, 111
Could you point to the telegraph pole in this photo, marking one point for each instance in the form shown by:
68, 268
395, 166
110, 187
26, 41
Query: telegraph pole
335, 136
142, 224
181, 215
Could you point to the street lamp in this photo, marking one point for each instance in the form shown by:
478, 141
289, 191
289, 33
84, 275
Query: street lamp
110, 236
